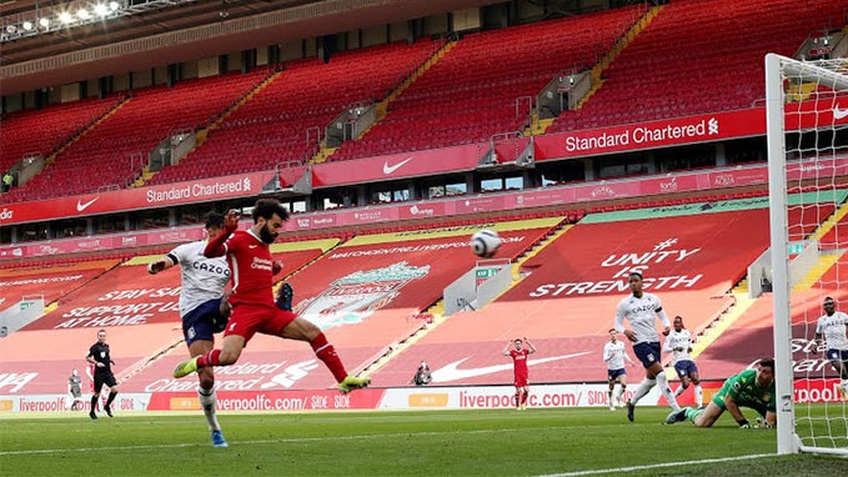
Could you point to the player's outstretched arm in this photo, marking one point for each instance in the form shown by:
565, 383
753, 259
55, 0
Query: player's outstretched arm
162, 264
505, 351
217, 245
531, 349
733, 409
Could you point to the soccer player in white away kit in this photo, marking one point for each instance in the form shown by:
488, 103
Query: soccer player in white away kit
641, 310
203, 309
834, 326
679, 342
614, 356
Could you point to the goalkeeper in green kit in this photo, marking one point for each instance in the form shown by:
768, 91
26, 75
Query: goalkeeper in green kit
753, 388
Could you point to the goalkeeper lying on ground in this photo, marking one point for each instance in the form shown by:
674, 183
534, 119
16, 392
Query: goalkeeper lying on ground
753, 388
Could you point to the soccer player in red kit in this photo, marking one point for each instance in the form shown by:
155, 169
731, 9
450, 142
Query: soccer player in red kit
519, 354
252, 301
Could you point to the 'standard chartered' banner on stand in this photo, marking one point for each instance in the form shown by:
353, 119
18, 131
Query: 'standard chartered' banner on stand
178, 193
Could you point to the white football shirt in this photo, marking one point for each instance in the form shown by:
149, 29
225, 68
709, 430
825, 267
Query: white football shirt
642, 314
833, 330
614, 354
678, 339
203, 279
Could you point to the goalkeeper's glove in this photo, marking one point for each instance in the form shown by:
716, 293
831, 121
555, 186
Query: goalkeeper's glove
743, 423
763, 423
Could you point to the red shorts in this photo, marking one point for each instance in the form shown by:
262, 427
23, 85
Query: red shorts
520, 381
247, 320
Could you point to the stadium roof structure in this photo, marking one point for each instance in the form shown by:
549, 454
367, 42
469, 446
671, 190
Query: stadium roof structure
184, 31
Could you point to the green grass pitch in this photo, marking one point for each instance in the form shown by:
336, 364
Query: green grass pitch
434, 443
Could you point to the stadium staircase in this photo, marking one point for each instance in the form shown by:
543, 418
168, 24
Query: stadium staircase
540, 126
323, 154
708, 334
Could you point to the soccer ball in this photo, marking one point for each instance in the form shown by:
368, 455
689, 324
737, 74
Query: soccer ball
485, 243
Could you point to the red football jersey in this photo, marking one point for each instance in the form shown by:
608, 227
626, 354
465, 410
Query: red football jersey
519, 358
251, 265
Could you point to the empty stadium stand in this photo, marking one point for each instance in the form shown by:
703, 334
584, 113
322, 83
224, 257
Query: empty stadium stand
698, 57
272, 126
113, 153
470, 94
42, 131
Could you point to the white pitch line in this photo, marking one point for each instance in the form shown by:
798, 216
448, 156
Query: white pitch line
269, 441
655, 466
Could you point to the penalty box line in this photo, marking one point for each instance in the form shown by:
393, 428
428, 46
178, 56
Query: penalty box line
656, 466
270, 441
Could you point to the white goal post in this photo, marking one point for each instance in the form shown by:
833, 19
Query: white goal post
806, 105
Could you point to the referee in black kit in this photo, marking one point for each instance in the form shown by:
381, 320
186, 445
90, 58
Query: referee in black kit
98, 355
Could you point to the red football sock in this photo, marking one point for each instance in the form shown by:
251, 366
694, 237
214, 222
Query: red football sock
326, 353
209, 359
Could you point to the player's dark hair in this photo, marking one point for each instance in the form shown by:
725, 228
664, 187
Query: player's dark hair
611, 330
767, 362
829, 299
214, 219
635, 274
267, 208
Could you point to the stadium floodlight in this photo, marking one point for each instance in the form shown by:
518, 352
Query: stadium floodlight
83, 14
101, 9
44, 22
114, 6
66, 18
27, 25
807, 126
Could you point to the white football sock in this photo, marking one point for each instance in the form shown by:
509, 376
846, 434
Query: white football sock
679, 391
662, 381
207, 402
699, 395
643, 389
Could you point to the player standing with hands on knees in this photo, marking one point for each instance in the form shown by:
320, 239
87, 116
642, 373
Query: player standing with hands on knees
641, 310
614, 356
519, 354
252, 300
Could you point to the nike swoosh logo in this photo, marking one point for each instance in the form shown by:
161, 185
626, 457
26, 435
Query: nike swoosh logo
840, 114
451, 371
82, 206
387, 169
252, 246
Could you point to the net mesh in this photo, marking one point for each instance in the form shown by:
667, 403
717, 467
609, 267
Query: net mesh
815, 109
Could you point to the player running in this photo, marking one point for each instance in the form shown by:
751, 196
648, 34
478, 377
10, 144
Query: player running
202, 309
614, 356
752, 388
519, 354
679, 342
252, 300
98, 355
641, 310
834, 326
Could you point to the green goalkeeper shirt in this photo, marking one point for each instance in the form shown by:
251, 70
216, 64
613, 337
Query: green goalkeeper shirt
745, 392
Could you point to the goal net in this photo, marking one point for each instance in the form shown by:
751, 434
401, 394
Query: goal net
807, 124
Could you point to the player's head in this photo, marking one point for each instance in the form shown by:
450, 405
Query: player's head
101, 336
518, 343
678, 323
75, 372
765, 373
268, 217
423, 365
635, 282
214, 223
613, 334
829, 305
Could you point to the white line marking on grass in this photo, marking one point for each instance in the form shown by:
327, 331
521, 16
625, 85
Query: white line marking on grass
270, 441
656, 466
